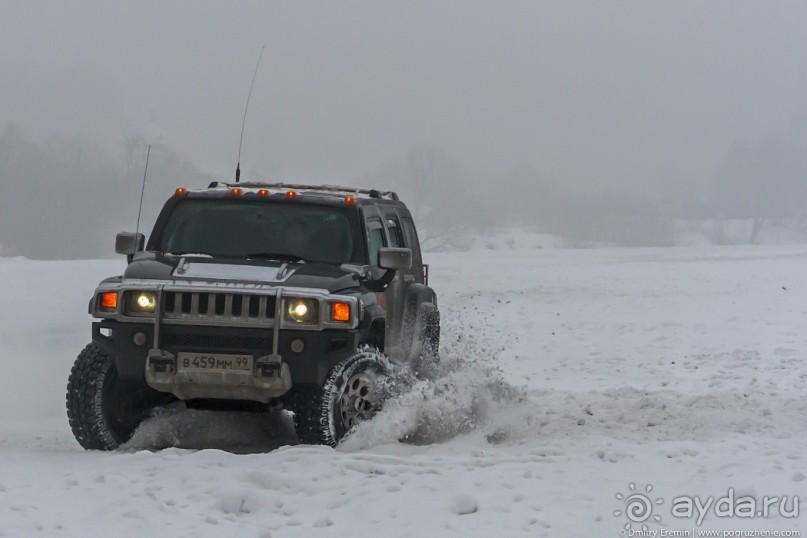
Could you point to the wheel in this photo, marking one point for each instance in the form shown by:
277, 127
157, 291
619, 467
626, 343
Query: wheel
427, 344
104, 410
353, 392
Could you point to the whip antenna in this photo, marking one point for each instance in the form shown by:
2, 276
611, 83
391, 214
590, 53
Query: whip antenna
142, 190
244, 121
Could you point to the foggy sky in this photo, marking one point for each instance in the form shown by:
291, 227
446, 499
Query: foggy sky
645, 96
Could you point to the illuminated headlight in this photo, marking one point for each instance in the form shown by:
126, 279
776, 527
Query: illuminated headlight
141, 303
301, 310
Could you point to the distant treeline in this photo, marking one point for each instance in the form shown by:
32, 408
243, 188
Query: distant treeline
67, 198
759, 185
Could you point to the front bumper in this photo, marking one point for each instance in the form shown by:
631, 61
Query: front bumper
269, 378
309, 366
225, 321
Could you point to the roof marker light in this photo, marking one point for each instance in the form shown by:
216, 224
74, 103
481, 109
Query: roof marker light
291, 195
263, 192
235, 191
181, 191
349, 200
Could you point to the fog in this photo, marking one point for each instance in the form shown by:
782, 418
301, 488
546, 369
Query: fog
564, 116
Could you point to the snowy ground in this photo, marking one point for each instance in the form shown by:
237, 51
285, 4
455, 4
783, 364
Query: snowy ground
569, 374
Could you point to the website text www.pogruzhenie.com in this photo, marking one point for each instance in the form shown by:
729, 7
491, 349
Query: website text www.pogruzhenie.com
702, 533
746, 533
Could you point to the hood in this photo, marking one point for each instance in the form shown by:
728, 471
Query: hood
198, 269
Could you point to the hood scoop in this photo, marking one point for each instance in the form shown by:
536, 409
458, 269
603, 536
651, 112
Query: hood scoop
221, 271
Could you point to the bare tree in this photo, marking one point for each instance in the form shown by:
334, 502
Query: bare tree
133, 147
763, 181
435, 190
66, 198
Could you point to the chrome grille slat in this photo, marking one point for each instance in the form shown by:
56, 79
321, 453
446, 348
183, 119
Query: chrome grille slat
219, 308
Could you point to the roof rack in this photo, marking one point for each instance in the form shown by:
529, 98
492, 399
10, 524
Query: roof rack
372, 193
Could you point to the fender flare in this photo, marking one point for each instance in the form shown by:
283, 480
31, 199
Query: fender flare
374, 326
419, 303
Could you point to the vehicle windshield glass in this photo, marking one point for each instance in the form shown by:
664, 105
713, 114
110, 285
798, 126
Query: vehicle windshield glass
283, 232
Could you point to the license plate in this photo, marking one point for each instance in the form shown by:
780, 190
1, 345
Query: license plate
214, 362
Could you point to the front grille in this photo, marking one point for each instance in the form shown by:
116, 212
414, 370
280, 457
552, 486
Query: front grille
238, 308
215, 341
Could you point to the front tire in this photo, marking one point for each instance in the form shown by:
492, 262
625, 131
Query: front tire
104, 410
353, 392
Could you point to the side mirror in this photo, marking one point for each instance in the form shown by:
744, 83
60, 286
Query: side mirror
129, 243
395, 258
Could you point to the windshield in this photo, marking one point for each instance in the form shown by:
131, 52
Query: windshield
283, 232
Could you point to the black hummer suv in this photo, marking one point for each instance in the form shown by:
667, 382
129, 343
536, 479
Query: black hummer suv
258, 295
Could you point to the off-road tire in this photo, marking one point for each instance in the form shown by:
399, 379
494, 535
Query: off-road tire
319, 416
104, 410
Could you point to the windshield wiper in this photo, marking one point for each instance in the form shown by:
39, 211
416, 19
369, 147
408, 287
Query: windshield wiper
279, 256
195, 253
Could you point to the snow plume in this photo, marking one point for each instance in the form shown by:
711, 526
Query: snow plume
466, 393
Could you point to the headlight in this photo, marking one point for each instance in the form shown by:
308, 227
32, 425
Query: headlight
141, 303
301, 310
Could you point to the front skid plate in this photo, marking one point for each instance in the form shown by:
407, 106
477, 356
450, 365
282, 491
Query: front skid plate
269, 378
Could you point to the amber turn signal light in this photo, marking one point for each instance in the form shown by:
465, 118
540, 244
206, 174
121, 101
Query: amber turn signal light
340, 311
109, 300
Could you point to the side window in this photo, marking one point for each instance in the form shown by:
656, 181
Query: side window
375, 238
395, 235
412, 240
411, 237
